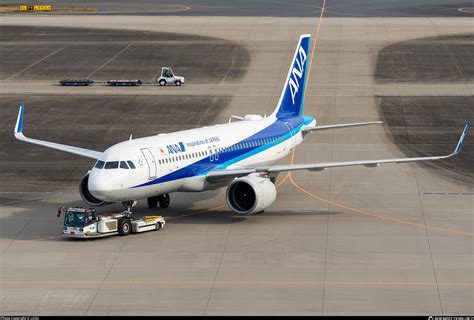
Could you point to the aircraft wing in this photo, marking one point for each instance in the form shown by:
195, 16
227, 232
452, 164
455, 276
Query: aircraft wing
79, 151
222, 175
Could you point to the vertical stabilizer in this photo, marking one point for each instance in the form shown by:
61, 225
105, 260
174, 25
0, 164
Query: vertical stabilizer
292, 97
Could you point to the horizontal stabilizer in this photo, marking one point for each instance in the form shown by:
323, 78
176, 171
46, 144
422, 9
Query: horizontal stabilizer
338, 126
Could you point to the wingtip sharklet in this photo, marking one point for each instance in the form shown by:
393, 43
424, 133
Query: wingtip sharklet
19, 121
463, 136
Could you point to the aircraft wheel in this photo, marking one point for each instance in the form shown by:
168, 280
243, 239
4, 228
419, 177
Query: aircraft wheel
125, 227
164, 200
152, 202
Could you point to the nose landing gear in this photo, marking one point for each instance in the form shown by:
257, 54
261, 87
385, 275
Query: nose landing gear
163, 200
129, 205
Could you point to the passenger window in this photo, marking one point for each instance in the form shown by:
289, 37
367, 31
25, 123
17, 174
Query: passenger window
130, 164
123, 165
99, 164
111, 165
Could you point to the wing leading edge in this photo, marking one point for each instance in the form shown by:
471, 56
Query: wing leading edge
79, 151
218, 175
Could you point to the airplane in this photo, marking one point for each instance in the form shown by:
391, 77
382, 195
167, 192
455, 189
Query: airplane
239, 155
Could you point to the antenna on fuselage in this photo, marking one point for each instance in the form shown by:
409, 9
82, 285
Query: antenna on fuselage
131, 136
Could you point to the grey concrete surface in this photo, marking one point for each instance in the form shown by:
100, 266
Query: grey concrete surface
99, 54
344, 241
271, 8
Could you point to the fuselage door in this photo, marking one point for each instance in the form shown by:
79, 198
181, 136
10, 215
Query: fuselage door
211, 155
216, 153
150, 160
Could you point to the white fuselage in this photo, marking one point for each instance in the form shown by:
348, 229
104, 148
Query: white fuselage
179, 161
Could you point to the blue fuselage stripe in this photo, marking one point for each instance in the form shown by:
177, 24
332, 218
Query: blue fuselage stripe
277, 131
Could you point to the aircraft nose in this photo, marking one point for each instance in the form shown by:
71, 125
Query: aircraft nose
95, 182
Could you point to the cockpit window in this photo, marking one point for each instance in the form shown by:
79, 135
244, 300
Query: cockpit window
130, 163
111, 165
123, 165
99, 164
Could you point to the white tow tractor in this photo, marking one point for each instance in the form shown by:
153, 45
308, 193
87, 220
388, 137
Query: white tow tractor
168, 77
85, 223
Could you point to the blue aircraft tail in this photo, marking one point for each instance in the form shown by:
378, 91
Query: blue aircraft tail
292, 97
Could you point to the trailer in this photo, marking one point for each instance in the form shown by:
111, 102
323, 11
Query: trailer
124, 82
75, 82
85, 223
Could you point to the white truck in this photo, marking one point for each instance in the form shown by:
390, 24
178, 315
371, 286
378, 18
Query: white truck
85, 223
168, 77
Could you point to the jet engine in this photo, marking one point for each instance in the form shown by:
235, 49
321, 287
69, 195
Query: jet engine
86, 195
250, 194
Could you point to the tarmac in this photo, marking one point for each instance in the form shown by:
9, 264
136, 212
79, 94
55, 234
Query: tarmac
393, 240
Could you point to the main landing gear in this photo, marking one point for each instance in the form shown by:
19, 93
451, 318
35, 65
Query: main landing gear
163, 200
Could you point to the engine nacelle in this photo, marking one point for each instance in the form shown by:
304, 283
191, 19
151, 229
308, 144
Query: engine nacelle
251, 194
86, 196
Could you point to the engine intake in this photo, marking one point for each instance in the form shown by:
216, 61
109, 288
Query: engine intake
251, 194
86, 196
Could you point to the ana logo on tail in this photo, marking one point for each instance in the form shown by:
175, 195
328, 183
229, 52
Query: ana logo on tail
297, 72
292, 96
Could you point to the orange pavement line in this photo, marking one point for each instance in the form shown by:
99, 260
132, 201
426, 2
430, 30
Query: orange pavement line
387, 218
288, 173
223, 282
306, 85
314, 44
383, 217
